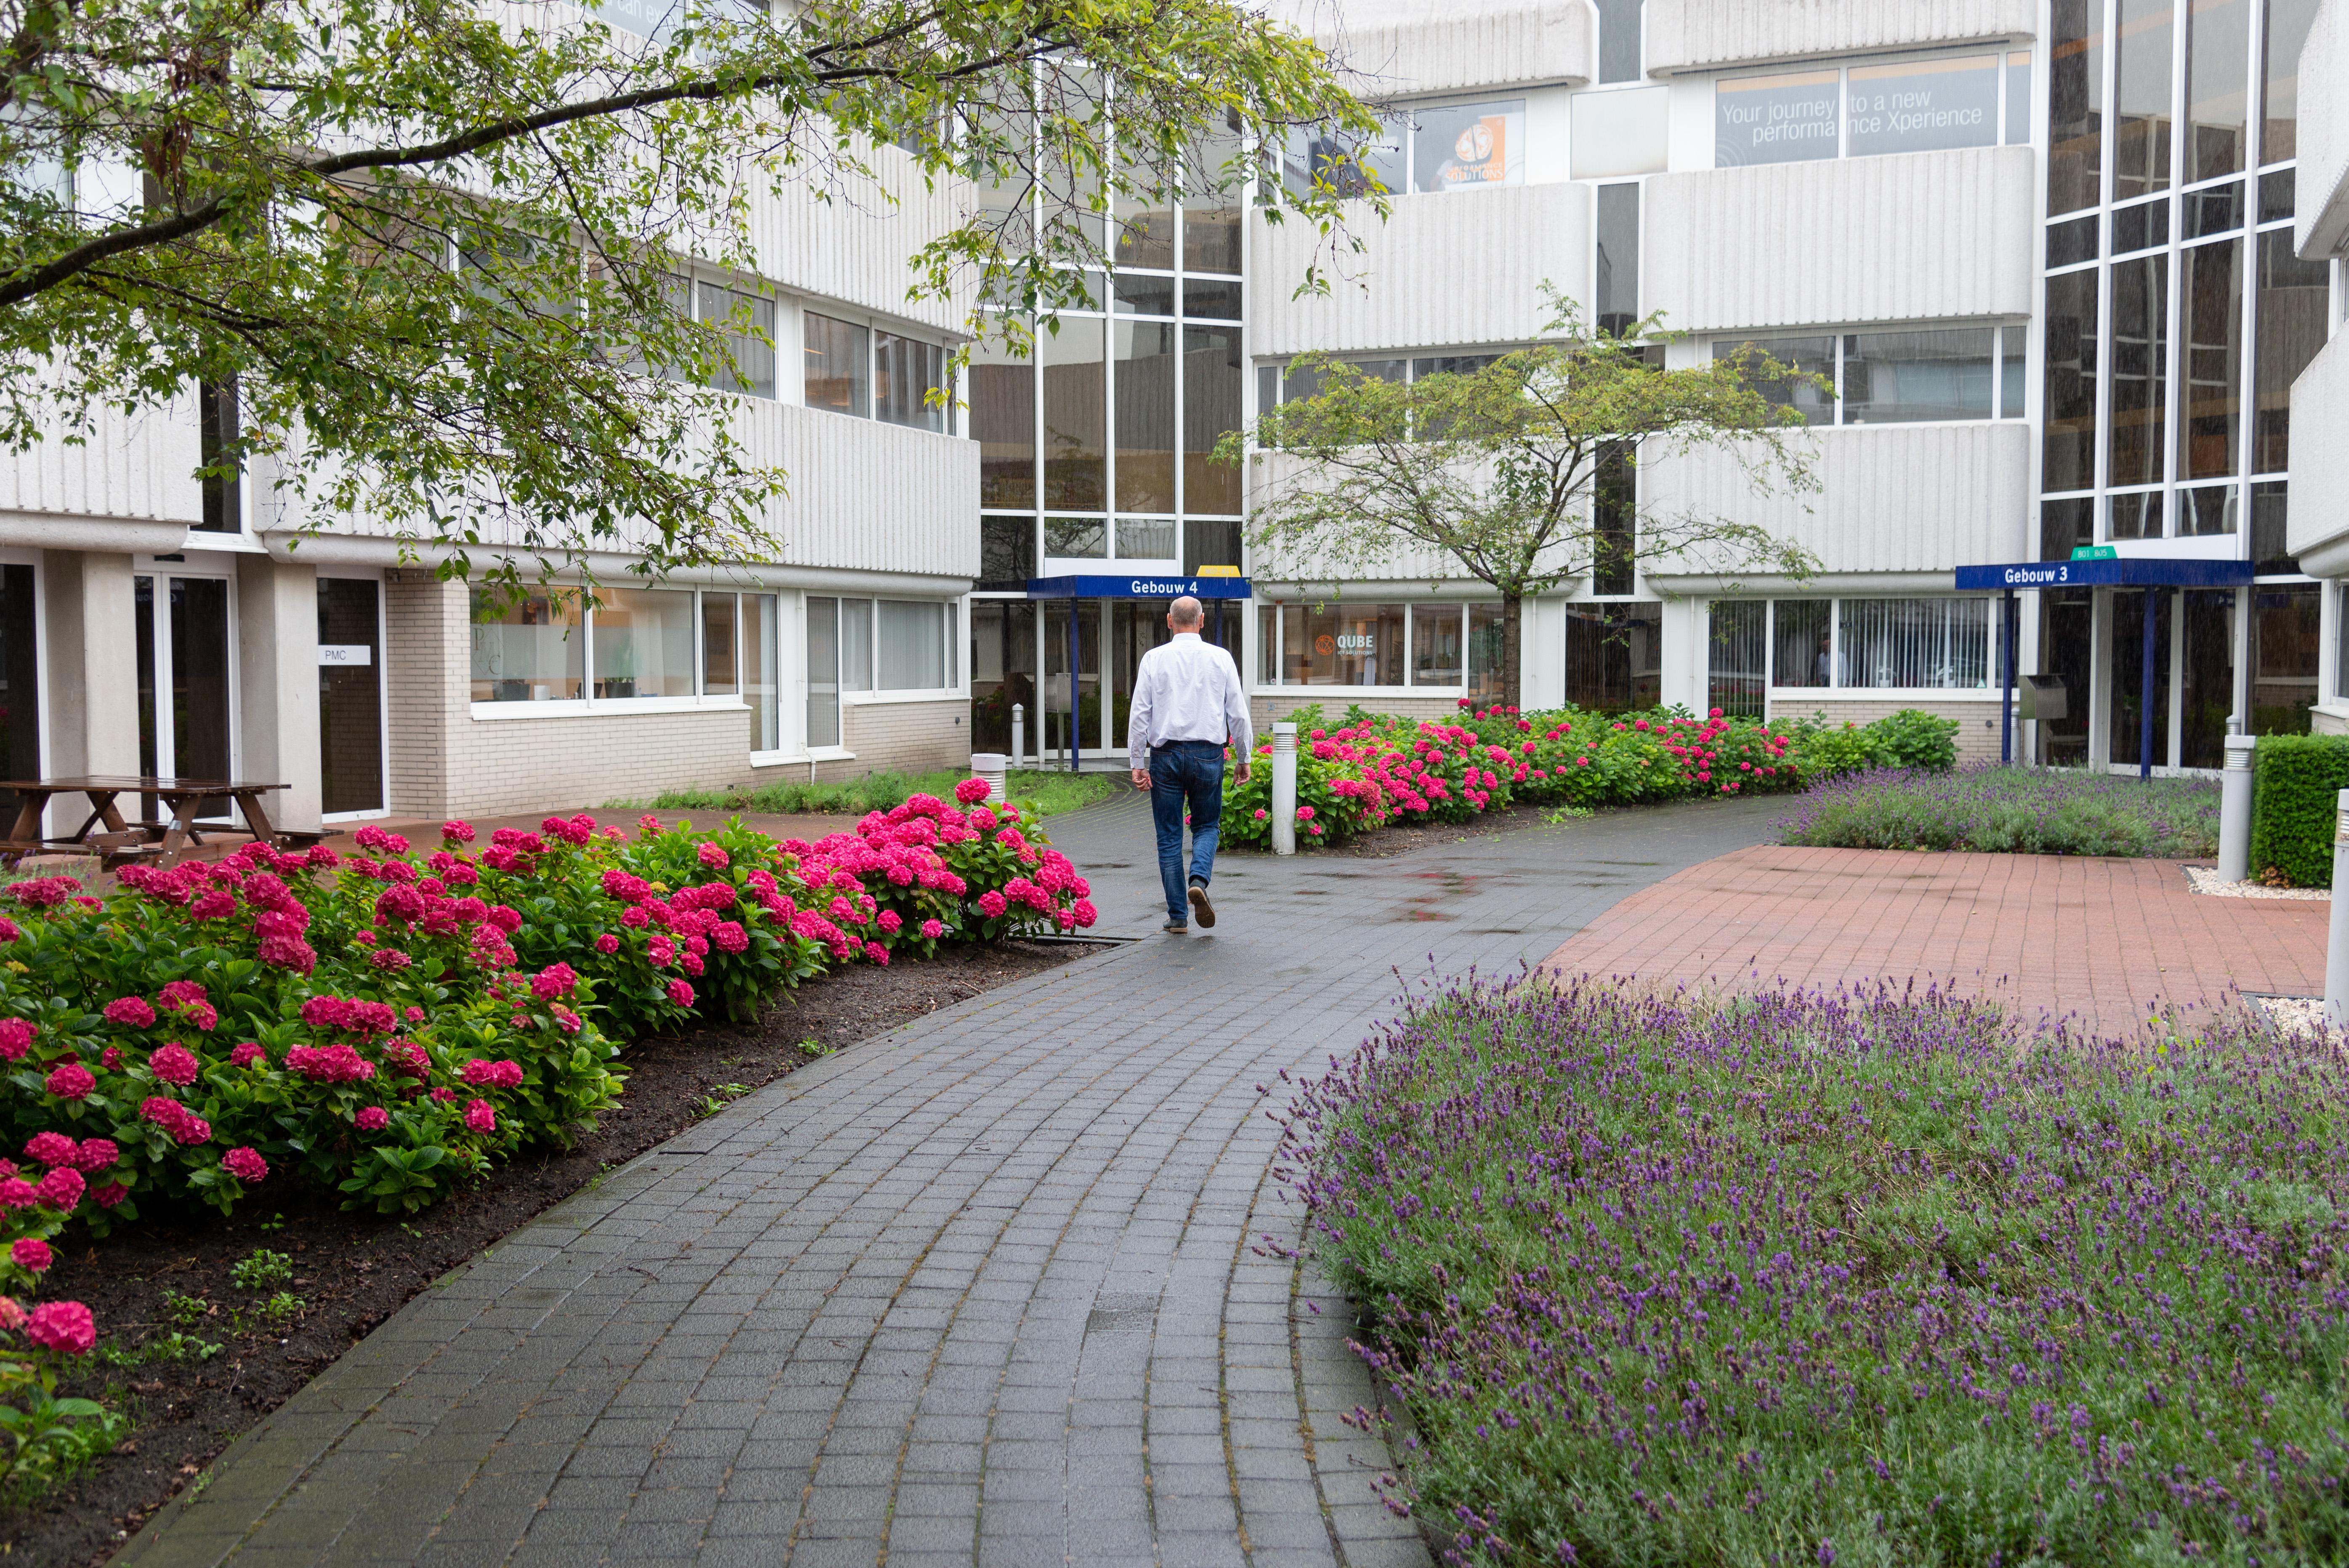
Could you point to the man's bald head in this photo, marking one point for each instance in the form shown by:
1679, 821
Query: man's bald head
1185, 614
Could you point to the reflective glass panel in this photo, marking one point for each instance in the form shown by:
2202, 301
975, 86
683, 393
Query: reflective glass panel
2212, 360
644, 642
2218, 86
1786, 118
1899, 377
1922, 106
2076, 105
527, 650
1468, 146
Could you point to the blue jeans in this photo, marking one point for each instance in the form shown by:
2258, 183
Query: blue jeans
1185, 773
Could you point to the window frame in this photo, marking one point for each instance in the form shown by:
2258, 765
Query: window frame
2000, 328
954, 611
589, 704
2004, 63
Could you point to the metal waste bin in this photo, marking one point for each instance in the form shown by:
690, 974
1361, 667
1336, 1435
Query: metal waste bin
2042, 697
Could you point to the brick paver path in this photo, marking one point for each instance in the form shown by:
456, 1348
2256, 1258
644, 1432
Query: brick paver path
2104, 939
991, 1288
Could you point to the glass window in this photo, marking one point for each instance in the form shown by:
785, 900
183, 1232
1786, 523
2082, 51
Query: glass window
1145, 392
2134, 515
2217, 85
2278, 198
1081, 537
1344, 164
2076, 105
855, 645
905, 372
2140, 372
1212, 184
1736, 667
1619, 40
839, 362
1469, 146
1144, 294
746, 326
1144, 234
2283, 657
761, 641
1076, 467
1268, 644
1212, 382
721, 670
1613, 657
20, 686
2140, 227
2141, 127
1617, 223
1003, 418
824, 671
2270, 547
1942, 644
2065, 525
1487, 648
2212, 360
644, 642
2018, 98
216, 432
2014, 357
1615, 522
2068, 450
2073, 241
2287, 31
1445, 364
1901, 378
2206, 509
531, 649
1146, 539
2216, 210
1210, 299
913, 645
1007, 550
1787, 119
1812, 355
2291, 330
1922, 106
1210, 542
1623, 133
1338, 644
1436, 645
1802, 651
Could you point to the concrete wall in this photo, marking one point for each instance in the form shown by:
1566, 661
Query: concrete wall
1460, 270
92, 674
850, 238
129, 466
1892, 498
2317, 525
1976, 717
1706, 34
1394, 47
1921, 236
2322, 196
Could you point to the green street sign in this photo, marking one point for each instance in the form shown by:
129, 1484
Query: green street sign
2095, 552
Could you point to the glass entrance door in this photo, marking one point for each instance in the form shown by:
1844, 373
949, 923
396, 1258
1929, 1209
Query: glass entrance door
1054, 697
185, 724
350, 697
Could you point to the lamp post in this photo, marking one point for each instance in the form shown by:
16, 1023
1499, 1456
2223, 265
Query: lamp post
1283, 788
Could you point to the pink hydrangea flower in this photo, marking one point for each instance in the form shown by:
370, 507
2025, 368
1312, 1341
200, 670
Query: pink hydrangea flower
31, 1253
110, 1196
245, 1164
607, 944
62, 1325
714, 856
680, 992
371, 1118
15, 1039
933, 930
62, 1188
96, 1154
12, 1317
554, 980
990, 903
971, 792
174, 1065
878, 953
52, 1148
131, 1012
71, 1080
245, 1054
482, 1074
480, 1117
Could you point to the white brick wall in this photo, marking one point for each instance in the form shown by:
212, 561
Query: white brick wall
1976, 717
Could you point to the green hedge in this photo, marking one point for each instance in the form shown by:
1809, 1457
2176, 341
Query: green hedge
2298, 778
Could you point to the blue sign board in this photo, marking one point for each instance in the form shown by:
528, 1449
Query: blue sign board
1137, 587
2127, 572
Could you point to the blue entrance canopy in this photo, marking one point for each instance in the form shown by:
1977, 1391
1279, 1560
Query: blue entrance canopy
2127, 572
1137, 587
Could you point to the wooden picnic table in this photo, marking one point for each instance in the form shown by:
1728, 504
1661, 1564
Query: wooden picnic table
117, 842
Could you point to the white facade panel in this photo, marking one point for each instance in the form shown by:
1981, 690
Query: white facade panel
2316, 524
2324, 186
1400, 48
1708, 35
1920, 236
137, 467
1892, 498
852, 242
1443, 270
865, 495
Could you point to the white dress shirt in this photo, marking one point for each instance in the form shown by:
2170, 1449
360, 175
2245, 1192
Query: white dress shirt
1187, 689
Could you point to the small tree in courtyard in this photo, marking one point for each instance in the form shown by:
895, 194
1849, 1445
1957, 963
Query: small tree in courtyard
1521, 470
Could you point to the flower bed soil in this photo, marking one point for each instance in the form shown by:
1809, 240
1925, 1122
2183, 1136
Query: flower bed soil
354, 1270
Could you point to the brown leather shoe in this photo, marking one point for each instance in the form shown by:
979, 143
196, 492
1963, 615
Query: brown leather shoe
1200, 907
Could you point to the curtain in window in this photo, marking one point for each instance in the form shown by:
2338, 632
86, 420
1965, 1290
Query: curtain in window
1915, 642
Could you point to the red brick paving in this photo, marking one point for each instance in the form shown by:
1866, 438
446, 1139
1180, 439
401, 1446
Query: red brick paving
2106, 940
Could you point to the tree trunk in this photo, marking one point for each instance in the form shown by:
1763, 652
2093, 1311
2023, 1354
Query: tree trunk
1512, 643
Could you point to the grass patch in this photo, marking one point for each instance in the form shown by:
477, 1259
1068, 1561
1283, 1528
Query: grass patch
2009, 810
1878, 1280
1051, 793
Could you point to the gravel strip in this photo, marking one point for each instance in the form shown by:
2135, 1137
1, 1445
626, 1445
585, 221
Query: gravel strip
2300, 1015
2202, 879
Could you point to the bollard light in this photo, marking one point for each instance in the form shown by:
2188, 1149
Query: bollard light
1018, 732
1283, 788
987, 768
2235, 810
2336, 945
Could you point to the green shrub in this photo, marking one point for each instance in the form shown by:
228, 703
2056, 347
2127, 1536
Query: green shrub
2295, 784
1909, 738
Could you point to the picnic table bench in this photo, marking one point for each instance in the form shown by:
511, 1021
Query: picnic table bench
119, 842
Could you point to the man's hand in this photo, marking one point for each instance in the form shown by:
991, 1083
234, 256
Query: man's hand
1243, 774
1141, 777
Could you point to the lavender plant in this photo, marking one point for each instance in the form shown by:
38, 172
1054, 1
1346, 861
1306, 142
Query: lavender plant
1799, 1279
2016, 810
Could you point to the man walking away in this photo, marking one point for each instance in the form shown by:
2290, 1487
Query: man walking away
1187, 702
